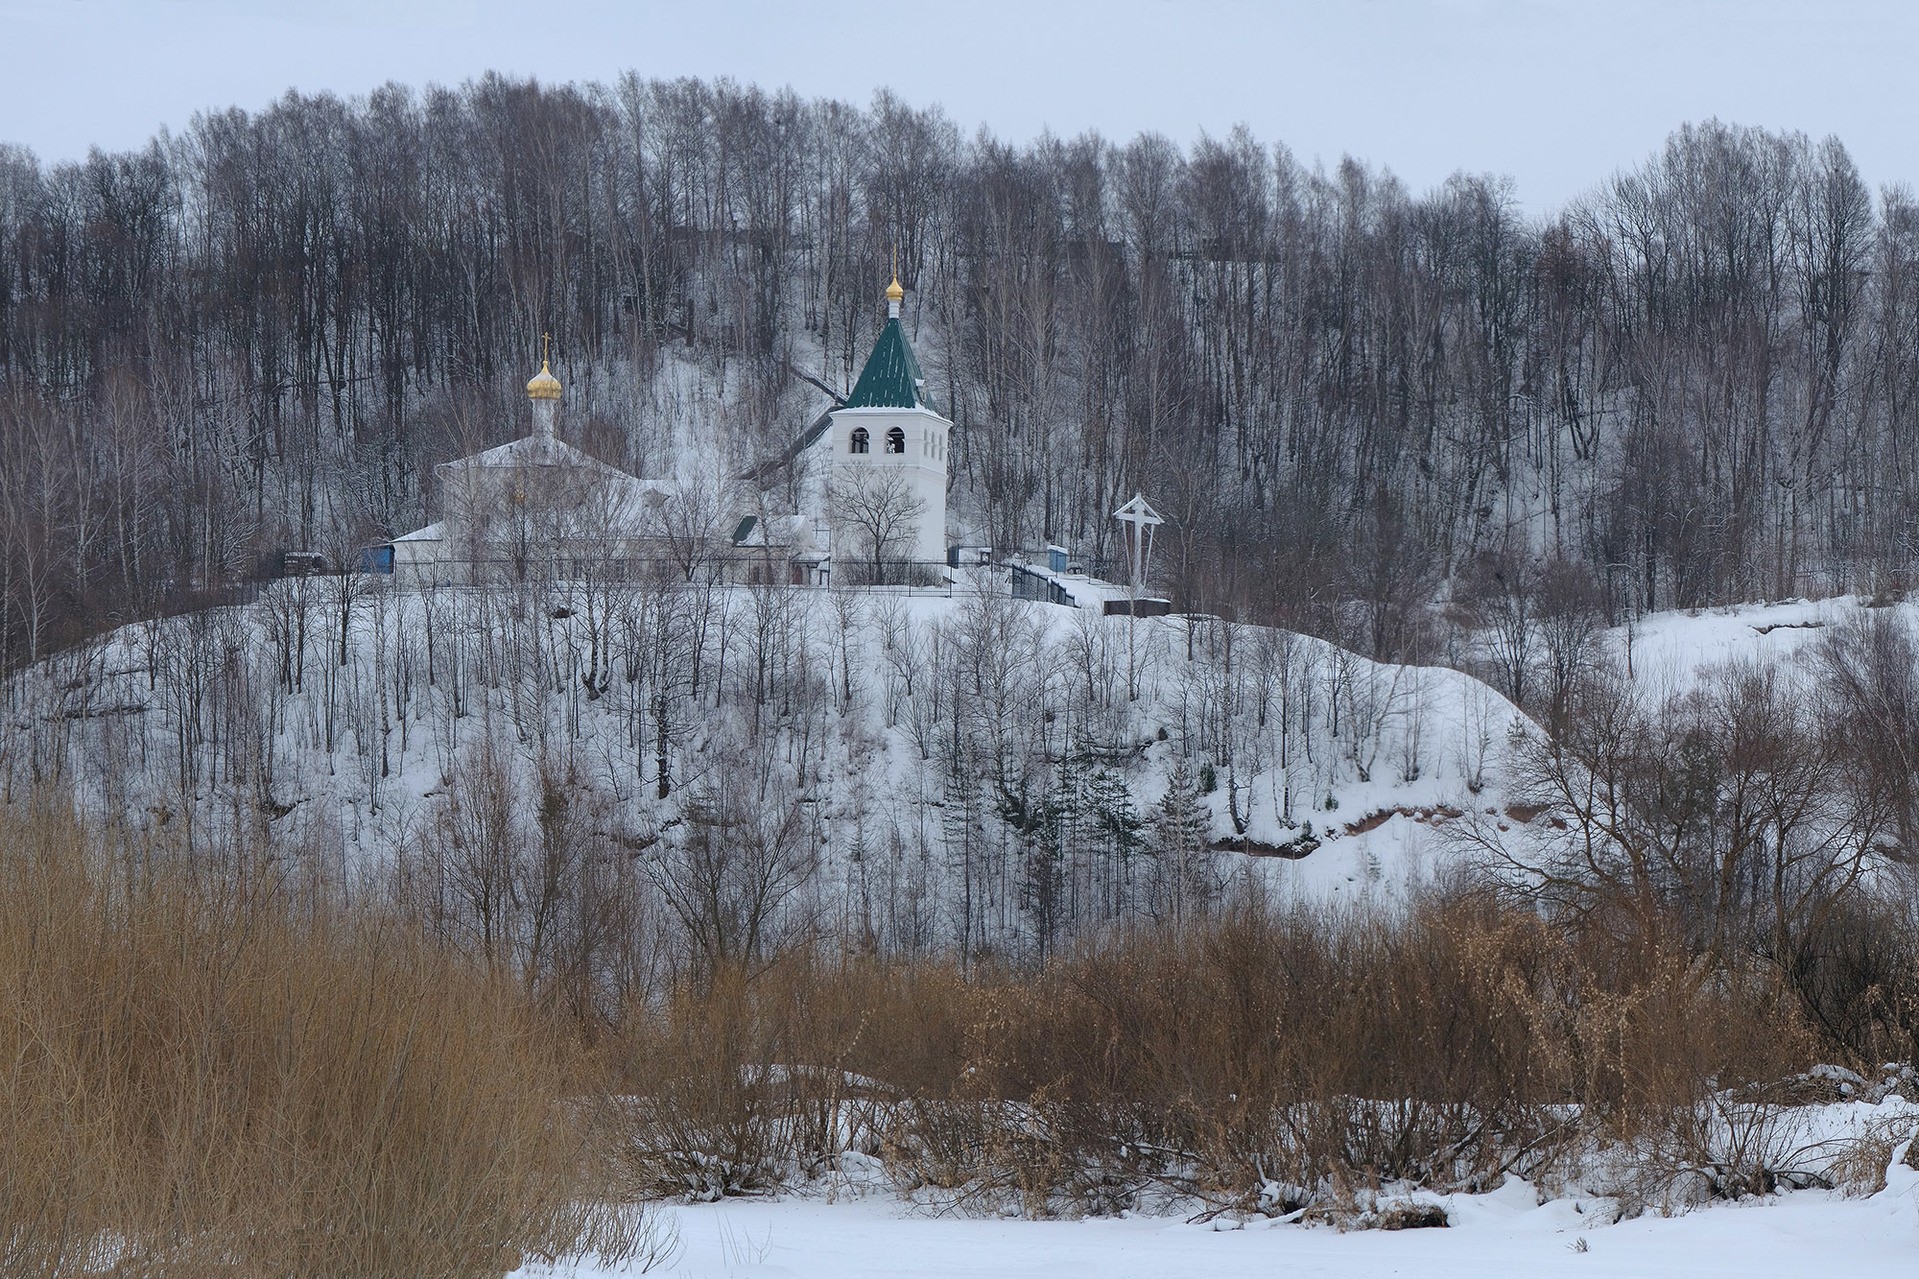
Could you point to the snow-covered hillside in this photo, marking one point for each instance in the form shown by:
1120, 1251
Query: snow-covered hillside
1670, 649
913, 772
936, 766
1051, 766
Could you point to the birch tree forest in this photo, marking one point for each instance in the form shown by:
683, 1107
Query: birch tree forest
353, 925
1697, 384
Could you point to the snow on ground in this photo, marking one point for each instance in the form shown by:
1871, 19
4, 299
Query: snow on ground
1301, 744
1306, 746
854, 1226
1803, 1235
1670, 649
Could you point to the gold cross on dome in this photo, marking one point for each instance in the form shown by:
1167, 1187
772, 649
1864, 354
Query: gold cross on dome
546, 341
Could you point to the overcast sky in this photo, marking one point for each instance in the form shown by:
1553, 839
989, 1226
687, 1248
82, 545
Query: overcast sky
1556, 93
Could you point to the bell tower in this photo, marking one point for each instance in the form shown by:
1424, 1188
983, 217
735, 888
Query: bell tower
888, 479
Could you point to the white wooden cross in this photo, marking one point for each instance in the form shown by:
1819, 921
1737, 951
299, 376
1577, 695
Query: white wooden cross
1140, 520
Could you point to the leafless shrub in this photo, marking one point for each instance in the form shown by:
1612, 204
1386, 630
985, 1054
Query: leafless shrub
197, 1081
1265, 1061
1857, 1167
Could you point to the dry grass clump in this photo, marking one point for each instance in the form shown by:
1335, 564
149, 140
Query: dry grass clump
1266, 1061
1858, 1168
740, 1081
220, 1083
1273, 1055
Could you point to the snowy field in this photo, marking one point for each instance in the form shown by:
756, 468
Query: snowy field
1669, 649
1803, 1235
857, 1227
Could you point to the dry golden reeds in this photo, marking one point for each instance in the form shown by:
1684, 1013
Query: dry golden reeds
216, 1077
213, 1082
1293, 1047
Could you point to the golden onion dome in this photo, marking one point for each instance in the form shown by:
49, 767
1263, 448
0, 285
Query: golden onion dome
543, 386
893, 291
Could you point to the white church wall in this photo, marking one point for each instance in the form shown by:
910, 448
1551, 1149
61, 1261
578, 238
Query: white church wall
919, 470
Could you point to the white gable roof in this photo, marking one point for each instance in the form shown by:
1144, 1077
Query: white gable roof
625, 501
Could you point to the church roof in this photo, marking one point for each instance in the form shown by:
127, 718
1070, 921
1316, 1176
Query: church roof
774, 531
891, 378
536, 450
611, 499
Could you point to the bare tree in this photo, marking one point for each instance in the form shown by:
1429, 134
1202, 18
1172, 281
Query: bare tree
729, 876
689, 524
1726, 808
877, 514
1568, 620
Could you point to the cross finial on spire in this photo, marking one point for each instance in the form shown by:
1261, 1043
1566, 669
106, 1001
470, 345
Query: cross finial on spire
546, 344
893, 291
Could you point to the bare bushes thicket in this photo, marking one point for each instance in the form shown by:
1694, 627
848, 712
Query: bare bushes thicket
224, 1082
232, 1079
1764, 813
1268, 1060
735, 1082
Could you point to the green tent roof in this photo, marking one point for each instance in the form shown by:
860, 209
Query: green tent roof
891, 377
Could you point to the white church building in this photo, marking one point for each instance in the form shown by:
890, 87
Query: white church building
538, 506
886, 491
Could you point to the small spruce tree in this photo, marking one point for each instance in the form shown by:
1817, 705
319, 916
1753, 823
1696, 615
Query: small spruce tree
1118, 837
1185, 883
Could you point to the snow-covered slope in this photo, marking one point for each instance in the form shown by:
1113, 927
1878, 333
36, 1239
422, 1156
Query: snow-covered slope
921, 742
1670, 649
925, 745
